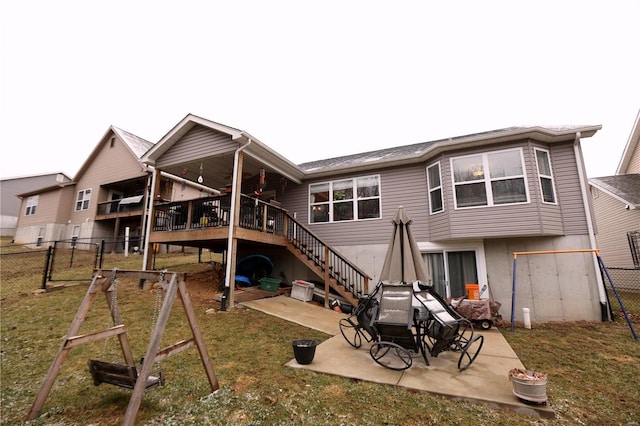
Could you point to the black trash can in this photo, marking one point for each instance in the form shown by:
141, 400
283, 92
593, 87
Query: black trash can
304, 350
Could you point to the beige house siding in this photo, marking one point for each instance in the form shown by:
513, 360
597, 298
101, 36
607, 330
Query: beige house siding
52, 213
110, 164
199, 142
614, 221
634, 164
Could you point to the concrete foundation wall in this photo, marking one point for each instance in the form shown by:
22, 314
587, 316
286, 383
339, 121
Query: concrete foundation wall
555, 287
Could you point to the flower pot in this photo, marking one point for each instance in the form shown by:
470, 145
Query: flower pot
529, 386
304, 350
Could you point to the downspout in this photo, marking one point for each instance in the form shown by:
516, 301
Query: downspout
232, 209
147, 231
592, 239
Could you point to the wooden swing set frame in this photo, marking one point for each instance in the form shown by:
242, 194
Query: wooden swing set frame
127, 375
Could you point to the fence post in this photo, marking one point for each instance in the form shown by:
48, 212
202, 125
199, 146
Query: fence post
47, 262
101, 253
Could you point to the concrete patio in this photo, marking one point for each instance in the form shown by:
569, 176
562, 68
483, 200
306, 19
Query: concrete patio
485, 382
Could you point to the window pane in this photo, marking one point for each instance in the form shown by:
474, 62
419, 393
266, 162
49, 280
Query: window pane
343, 211
320, 193
467, 169
436, 200
544, 168
508, 191
320, 213
433, 175
368, 187
503, 164
471, 195
369, 209
343, 190
547, 190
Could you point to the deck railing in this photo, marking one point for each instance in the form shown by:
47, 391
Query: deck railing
265, 217
115, 207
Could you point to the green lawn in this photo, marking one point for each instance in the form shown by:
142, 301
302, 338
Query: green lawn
592, 368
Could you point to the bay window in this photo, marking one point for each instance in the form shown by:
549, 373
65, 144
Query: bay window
489, 179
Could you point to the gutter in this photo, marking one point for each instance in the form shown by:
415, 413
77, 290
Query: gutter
232, 210
592, 239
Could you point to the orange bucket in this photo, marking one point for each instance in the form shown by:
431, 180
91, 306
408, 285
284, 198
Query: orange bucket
473, 291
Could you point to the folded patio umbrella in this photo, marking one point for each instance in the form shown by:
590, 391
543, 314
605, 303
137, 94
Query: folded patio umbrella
403, 262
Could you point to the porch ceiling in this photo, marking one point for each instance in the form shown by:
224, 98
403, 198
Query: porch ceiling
216, 171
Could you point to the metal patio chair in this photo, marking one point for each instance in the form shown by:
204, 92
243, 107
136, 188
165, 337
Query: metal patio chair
401, 323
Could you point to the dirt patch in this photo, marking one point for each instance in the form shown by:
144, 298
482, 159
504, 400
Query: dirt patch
203, 286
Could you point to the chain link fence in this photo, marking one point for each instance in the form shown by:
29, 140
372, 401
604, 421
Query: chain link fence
627, 284
27, 268
22, 271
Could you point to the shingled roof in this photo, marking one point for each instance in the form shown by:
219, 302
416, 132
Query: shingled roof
136, 144
624, 187
417, 150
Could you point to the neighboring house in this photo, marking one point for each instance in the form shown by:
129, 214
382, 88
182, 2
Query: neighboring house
10, 202
474, 200
107, 195
616, 203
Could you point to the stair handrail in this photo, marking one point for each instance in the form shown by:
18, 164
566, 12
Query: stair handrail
341, 269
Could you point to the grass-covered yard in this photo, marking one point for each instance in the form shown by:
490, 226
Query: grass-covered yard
593, 369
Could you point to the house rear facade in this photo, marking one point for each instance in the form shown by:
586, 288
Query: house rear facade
474, 200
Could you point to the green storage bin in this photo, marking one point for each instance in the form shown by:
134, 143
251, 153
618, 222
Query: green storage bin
270, 284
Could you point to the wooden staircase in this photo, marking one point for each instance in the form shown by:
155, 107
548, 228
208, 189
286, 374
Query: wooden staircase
335, 270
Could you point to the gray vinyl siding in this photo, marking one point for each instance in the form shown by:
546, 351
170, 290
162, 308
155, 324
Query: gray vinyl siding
404, 187
533, 218
199, 142
407, 187
569, 194
10, 188
614, 221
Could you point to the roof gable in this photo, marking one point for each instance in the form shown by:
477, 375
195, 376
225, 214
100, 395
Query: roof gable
136, 146
631, 148
180, 129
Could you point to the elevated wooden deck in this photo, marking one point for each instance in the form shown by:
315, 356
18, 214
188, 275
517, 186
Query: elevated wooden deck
205, 222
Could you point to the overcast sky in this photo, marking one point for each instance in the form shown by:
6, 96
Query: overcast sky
312, 79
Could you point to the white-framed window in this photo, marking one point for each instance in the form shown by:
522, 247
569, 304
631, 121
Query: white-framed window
545, 176
434, 183
489, 179
31, 205
345, 199
40, 239
83, 199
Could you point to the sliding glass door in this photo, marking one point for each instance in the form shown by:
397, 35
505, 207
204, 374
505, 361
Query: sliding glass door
451, 270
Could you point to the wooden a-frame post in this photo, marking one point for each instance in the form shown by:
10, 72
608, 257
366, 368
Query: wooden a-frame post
174, 287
